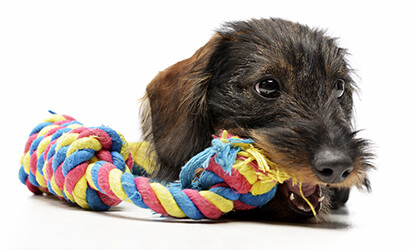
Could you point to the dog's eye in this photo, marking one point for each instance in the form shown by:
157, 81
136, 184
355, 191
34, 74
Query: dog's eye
268, 88
339, 88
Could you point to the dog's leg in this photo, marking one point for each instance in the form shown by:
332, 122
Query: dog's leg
339, 198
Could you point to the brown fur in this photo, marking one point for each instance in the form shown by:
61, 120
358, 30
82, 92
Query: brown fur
179, 91
215, 89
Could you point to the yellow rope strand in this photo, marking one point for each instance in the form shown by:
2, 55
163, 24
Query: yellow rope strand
307, 201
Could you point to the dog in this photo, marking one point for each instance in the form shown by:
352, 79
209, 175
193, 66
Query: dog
286, 86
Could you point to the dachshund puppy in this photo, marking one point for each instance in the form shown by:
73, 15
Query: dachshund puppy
284, 85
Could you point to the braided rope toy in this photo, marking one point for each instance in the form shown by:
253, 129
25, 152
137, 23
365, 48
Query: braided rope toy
91, 167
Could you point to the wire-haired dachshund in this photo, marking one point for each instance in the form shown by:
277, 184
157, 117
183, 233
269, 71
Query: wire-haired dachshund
284, 85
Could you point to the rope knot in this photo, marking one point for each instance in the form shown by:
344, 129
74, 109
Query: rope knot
61, 152
91, 167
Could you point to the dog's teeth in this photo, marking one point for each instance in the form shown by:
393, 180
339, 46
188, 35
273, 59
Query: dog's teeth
292, 196
321, 199
301, 207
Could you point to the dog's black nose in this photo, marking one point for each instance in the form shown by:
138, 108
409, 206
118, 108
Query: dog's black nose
332, 166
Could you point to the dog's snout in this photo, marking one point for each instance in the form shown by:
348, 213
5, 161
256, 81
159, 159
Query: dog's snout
332, 166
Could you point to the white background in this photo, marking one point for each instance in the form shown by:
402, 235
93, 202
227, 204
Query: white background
93, 59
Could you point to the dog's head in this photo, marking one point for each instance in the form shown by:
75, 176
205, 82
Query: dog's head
285, 85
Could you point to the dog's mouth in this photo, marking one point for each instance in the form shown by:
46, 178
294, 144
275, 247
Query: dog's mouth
294, 198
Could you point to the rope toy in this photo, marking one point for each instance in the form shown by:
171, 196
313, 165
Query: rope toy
91, 167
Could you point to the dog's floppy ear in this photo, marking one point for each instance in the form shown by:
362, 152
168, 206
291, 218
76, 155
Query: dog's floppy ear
175, 113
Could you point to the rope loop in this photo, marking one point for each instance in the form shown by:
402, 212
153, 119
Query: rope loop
91, 167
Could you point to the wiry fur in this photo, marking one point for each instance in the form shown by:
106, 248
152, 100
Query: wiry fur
214, 90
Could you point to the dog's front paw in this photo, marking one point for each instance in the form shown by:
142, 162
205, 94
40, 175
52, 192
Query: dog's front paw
339, 198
